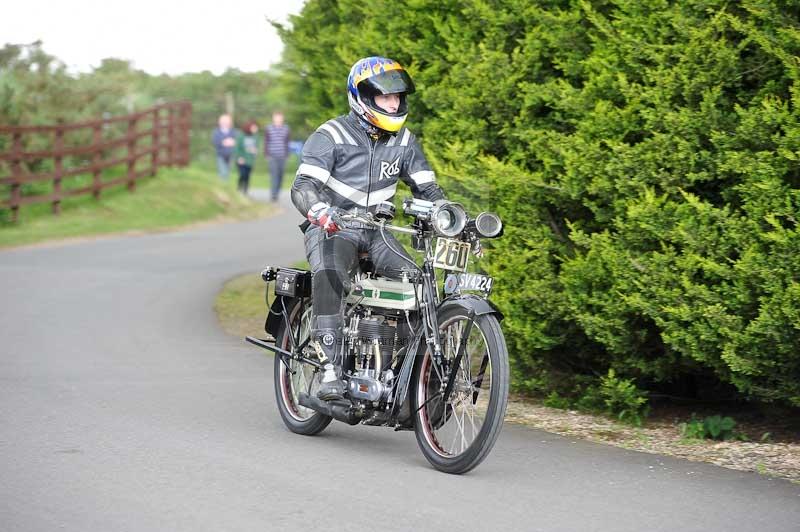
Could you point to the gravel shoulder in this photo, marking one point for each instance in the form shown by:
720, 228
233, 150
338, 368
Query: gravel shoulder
778, 456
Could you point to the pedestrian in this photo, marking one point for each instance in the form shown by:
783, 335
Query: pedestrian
224, 140
246, 150
276, 150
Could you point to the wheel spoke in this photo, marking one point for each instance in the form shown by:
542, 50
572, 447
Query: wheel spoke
453, 444
456, 337
472, 419
463, 427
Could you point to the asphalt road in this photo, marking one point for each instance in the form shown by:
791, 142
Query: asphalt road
123, 407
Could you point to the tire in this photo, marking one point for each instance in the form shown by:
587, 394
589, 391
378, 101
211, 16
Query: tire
447, 434
297, 418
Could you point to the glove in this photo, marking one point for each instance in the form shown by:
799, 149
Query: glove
325, 216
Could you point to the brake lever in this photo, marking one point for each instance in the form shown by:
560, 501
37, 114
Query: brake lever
477, 248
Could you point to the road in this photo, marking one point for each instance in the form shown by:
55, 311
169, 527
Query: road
124, 407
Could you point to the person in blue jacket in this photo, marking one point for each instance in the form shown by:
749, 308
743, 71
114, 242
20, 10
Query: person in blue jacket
224, 140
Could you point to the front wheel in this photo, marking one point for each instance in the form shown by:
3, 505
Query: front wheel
456, 435
293, 377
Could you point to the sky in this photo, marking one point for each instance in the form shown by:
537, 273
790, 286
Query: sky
165, 36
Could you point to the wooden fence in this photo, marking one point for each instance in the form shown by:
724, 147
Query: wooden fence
36, 162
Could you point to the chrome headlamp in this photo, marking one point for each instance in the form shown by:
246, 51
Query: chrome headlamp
448, 218
488, 225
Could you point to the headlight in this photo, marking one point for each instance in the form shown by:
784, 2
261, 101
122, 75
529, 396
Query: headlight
488, 225
445, 220
448, 219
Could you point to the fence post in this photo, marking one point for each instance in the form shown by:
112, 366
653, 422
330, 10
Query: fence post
171, 134
97, 160
16, 175
178, 132
186, 125
59, 170
168, 131
155, 146
132, 153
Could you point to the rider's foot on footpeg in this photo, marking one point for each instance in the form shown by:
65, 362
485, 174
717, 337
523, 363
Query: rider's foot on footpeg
331, 391
331, 388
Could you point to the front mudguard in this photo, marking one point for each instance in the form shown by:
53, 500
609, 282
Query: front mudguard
471, 302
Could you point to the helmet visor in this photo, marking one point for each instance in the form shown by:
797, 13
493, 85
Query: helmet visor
390, 82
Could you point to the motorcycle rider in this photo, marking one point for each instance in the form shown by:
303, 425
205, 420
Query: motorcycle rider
351, 164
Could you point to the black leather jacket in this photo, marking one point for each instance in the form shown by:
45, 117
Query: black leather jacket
344, 167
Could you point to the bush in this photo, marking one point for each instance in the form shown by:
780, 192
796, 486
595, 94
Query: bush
642, 154
712, 427
617, 397
623, 399
554, 400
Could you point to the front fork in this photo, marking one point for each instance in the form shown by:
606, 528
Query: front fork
447, 369
433, 337
430, 295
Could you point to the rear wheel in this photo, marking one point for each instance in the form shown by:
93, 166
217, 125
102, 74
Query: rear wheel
457, 434
293, 377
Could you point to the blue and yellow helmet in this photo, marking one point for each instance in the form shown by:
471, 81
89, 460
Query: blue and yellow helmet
371, 76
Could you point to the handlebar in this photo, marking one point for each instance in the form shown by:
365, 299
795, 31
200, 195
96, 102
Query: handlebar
367, 219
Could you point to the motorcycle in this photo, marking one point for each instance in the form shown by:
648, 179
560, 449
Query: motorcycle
412, 358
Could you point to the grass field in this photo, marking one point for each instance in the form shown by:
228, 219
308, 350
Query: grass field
175, 197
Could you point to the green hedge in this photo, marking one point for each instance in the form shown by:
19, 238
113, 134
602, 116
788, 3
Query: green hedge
644, 156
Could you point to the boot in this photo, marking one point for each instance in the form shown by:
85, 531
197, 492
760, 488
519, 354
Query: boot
326, 343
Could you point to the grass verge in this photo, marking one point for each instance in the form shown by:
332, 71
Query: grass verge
241, 306
175, 197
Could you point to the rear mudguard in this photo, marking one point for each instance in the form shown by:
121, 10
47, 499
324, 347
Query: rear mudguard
275, 314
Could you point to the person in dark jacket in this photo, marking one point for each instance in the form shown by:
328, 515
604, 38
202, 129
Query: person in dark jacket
246, 149
224, 140
353, 163
276, 150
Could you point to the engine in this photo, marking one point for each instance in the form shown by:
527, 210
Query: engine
372, 341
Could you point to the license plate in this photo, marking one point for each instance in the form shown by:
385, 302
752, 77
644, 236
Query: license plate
468, 281
451, 254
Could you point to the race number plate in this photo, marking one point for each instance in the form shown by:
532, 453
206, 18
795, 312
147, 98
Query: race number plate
451, 254
467, 281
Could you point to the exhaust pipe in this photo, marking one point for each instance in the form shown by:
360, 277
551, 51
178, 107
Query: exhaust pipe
339, 410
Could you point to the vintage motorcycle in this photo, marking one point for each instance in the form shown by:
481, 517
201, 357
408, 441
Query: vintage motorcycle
413, 359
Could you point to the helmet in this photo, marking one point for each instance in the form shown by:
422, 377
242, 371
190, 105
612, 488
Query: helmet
371, 76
